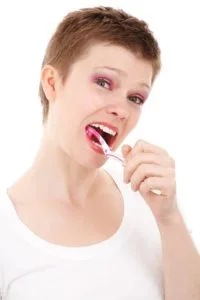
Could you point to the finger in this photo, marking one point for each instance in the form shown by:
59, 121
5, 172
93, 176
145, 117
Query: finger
146, 171
143, 146
125, 150
167, 186
145, 158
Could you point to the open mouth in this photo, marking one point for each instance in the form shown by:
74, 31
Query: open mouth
108, 137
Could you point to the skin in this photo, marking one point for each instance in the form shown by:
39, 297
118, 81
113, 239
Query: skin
60, 163
110, 101
65, 183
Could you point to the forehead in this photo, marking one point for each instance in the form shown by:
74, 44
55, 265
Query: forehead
117, 57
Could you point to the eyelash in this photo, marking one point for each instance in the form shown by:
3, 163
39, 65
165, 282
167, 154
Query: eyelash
110, 84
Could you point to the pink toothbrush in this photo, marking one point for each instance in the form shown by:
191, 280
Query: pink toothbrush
109, 153
106, 149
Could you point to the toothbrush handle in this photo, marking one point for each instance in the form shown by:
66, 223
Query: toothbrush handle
116, 157
121, 160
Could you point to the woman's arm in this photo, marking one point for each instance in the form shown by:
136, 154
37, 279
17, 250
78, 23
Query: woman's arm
149, 167
181, 260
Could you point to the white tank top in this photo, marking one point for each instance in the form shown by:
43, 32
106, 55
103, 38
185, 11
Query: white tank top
127, 266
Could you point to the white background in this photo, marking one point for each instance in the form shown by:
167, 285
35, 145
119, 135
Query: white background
170, 118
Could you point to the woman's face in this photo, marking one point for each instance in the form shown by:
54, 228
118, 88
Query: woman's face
108, 85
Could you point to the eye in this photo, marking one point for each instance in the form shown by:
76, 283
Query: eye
137, 99
103, 82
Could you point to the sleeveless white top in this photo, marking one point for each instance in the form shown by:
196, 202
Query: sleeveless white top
127, 266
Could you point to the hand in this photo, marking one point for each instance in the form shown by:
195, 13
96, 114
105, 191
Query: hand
148, 167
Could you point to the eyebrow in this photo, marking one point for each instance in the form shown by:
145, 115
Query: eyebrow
121, 72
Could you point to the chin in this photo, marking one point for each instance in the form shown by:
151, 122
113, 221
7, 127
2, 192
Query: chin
93, 163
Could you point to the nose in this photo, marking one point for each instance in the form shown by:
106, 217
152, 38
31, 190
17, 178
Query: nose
119, 111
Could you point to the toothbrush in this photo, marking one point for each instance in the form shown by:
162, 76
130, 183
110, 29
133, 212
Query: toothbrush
109, 153
106, 149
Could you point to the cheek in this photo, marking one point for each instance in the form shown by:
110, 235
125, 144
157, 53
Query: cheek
78, 103
85, 98
95, 99
134, 119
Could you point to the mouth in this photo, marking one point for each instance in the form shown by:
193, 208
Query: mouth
108, 134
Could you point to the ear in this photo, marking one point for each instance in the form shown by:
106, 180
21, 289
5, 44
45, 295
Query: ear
48, 81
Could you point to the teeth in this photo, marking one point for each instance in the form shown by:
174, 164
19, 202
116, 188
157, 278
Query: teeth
105, 129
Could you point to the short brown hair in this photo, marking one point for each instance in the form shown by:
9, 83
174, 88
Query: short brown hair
80, 29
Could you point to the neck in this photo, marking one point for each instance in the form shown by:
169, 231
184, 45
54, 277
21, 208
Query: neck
54, 176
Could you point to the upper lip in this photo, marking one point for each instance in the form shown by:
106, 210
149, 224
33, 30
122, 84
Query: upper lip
107, 125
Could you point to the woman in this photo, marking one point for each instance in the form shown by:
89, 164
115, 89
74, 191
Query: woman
70, 229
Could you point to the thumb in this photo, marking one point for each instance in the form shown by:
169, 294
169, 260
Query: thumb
125, 150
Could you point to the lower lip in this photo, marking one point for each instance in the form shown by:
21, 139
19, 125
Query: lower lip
96, 148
